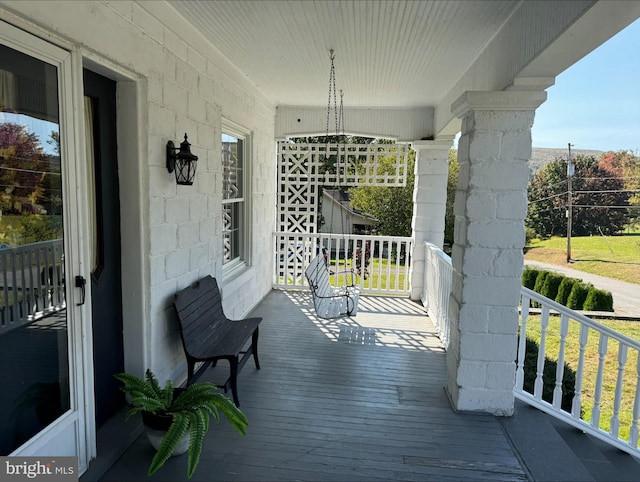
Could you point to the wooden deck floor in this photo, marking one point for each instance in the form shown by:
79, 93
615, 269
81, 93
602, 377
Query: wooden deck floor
355, 399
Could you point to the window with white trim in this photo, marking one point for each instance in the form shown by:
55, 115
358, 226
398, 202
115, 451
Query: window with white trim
235, 210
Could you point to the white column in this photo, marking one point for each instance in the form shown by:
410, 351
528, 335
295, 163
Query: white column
429, 203
487, 257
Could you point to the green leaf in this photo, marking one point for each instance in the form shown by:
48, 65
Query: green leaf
191, 411
148, 404
167, 395
152, 382
234, 415
134, 386
169, 442
197, 429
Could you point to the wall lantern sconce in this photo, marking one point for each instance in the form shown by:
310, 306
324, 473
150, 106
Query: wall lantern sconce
182, 162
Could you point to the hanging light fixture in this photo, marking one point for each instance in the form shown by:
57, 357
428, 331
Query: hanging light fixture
182, 162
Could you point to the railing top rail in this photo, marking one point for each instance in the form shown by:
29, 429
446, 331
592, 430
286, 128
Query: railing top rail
344, 235
581, 318
438, 251
30, 246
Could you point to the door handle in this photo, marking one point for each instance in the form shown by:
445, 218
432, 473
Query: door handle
81, 283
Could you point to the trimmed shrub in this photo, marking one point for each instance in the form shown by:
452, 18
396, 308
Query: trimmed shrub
564, 290
542, 275
529, 276
578, 295
551, 284
548, 376
598, 300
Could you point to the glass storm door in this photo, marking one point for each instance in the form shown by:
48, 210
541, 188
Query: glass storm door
41, 392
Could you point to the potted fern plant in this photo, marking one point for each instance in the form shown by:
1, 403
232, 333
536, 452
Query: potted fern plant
183, 412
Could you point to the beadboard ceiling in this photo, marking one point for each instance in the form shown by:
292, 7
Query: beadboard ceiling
388, 53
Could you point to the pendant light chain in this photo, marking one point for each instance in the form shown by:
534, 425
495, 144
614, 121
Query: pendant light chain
338, 115
341, 112
332, 89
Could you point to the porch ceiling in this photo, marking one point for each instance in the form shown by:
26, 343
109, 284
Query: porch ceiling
388, 53
400, 53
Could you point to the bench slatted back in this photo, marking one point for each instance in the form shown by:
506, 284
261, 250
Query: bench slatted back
199, 310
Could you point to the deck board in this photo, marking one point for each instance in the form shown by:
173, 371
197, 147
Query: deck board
346, 400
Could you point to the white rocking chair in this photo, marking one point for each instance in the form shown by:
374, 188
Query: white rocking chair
330, 302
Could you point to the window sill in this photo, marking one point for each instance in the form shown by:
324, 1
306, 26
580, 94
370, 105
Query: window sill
236, 278
233, 270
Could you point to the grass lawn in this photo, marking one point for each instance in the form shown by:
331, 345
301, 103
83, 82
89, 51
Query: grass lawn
382, 275
610, 373
615, 257
10, 229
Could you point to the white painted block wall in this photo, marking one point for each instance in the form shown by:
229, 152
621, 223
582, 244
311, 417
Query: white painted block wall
183, 85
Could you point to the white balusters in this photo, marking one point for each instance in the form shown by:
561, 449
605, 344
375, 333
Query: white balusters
615, 418
576, 405
544, 323
605, 405
31, 282
633, 431
597, 396
557, 391
522, 340
437, 289
385, 271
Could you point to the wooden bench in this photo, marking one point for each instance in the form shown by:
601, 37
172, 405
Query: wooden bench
330, 302
208, 335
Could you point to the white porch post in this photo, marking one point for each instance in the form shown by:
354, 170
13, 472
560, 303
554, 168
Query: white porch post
487, 257
429, 203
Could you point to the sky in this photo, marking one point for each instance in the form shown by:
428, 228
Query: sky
595, 103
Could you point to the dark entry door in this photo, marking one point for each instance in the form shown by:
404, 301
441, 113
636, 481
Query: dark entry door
106, 288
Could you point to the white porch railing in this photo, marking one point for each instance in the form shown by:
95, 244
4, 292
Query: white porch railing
437, 289
609, 384
380, 264
31, 283
598, 390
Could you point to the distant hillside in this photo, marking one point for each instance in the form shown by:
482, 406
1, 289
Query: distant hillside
541, 155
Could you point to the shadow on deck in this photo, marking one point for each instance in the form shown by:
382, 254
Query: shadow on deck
352, 399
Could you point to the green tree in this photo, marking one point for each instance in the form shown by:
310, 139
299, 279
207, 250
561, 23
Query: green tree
392, 206
600, 197
547, 199
21, 170
626, 164
452, 184
597, 192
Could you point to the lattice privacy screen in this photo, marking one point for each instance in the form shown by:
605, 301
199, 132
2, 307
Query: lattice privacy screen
304, 167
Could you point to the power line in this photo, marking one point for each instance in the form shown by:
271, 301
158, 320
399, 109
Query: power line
44, 188
50, 160
604, 207
29, 170
583, 192
609, 191
548, 197
608, 178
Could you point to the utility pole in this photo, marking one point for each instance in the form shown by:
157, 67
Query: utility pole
569, 212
